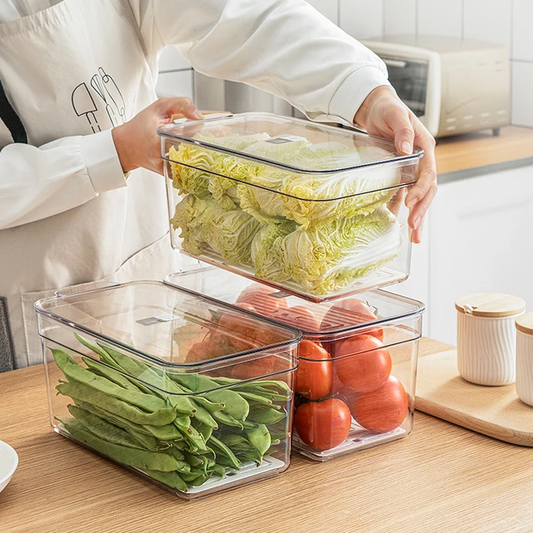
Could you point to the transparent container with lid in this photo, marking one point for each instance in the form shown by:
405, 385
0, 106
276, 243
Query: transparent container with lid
311, 209
194, 395
356, 378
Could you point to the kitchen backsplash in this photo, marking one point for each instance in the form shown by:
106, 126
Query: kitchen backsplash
503, 21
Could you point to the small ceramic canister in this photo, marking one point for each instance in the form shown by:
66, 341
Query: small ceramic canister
524, 358
486, 337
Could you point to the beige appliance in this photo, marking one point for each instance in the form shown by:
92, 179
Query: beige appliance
453, 85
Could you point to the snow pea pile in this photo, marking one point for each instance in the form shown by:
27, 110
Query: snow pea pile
180, 429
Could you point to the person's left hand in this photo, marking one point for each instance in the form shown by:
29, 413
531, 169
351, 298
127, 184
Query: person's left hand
384, 114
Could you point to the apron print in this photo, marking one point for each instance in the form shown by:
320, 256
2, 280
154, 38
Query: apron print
83, 104
106, 88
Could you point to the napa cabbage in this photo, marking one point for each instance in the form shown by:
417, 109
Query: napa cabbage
205, 225
330, 256
266, 247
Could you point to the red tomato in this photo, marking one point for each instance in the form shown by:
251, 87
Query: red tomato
383, 409
299, 317
364, 363
198, 352
239, 330
314, 376
260, 297
254, 369
323, 425
350, 312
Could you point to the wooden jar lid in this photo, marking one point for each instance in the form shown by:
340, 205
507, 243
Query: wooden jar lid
524, 323
490, 305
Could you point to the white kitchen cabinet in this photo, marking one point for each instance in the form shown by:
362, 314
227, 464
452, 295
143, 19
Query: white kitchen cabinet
417, 285
480, 240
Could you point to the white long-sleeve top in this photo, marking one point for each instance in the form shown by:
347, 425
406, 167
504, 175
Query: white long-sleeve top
76, 69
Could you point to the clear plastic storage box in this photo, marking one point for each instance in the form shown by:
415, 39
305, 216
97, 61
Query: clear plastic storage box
314, 210
356, 378
194, 395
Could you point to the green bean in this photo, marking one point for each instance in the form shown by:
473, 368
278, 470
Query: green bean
192, 475
281, 385
236, 442
207, 404
84, 393
228, 420
219, 470
195, 382
255, 397
102, 428
109, 373
169, 432
172, 479
250, 455
137, 431
91, 346
226, 452
75, 372
141, 459
129, 364
235, 405
193, 437
194, 460
265, 415
200, 480
260, 438
160, 383
204, 430
203, 416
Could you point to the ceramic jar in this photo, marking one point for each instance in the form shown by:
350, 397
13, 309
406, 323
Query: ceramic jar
524, 358
486, 337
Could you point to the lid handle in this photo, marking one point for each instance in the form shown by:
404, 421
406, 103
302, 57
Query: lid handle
207, 118
77, 289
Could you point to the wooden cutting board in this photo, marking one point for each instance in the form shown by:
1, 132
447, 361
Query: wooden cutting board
493, 411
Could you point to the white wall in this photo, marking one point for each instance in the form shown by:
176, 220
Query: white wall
509, 22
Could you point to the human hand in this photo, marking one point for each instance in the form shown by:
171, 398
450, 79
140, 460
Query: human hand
137, 142
384, 114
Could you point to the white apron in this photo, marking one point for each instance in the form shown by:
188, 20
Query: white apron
73, 69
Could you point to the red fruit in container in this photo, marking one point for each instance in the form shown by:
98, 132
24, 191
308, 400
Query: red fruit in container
260, 297
362, 363
323, 425
299, 317
381, 410
314, 376
350, 312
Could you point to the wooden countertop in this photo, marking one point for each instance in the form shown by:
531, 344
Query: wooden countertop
481, 149
440, 478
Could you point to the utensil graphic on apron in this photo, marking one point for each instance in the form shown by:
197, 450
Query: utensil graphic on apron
107, 89
83, 104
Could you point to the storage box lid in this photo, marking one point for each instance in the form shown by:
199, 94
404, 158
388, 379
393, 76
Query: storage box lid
160, 323
243, 146
315, 320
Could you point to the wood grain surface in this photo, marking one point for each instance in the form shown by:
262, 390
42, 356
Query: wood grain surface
493, 411
441, 478
482, 148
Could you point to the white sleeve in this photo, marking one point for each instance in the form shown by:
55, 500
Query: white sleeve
36, 183
284, 47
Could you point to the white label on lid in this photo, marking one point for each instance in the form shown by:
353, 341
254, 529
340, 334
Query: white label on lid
286, 139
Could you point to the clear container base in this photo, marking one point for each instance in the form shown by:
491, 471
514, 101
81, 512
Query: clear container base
358, 439
381, 278
250, 472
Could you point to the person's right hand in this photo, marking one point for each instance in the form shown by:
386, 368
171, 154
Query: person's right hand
137, 142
